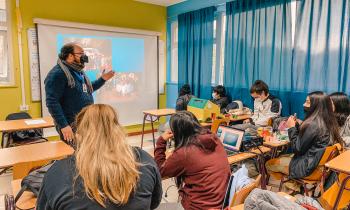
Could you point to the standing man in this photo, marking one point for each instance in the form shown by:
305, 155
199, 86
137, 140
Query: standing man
69, 90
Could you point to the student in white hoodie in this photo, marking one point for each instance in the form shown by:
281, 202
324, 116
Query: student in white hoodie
266, 106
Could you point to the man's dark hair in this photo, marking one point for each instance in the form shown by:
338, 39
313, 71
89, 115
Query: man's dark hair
258, 87
66, 50
220, 90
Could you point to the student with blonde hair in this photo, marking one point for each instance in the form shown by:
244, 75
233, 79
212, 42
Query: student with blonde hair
105, 172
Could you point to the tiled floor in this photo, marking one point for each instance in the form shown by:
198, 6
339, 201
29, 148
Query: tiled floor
172, 195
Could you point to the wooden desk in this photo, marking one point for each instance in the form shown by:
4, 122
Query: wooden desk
156, 113
19, 125
236, 119
23, 158
27, 200
340, 164
274, 145
252, 154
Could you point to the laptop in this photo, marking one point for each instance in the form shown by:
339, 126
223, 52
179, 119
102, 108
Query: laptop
231, 138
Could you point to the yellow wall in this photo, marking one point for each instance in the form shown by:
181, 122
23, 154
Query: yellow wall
120, 13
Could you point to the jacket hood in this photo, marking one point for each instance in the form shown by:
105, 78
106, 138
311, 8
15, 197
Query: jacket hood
208, 140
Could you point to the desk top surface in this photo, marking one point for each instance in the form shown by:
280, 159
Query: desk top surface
16, 125
340, 163
34, 152
160, 112
275, 143
246, 155
27, 200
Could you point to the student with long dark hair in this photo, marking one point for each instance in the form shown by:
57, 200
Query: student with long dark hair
185, 96
310, 139
199, 162
342, 112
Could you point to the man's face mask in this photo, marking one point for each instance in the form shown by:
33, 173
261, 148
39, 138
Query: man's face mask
214, 95
84, 59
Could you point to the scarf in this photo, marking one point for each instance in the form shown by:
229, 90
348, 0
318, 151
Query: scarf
76, 67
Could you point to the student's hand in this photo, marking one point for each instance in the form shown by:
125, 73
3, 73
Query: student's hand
68, 134
291, 122
246, 121
108, 75
167, 135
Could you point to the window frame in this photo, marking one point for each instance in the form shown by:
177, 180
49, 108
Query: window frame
10, 81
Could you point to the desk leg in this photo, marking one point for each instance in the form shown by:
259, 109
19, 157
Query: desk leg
262, 171
341, 189
143, 129
154, 140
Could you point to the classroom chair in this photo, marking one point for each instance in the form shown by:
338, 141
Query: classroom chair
240, 196
33, 136
328, 198
318, 176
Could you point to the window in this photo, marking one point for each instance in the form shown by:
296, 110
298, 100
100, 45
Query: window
174, 52
5, 74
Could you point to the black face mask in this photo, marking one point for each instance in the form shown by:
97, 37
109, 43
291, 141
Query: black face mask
84, 59
306, 111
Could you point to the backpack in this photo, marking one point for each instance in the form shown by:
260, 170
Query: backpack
33, 181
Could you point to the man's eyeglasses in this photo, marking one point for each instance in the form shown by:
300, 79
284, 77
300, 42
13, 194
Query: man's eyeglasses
81, 53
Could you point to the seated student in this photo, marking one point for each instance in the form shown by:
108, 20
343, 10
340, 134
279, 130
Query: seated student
342, 112
199, 162
266, 106
220, 98
309, 140
184, 97
105, 172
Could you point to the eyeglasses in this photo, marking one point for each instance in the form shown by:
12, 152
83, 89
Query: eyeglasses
81, 53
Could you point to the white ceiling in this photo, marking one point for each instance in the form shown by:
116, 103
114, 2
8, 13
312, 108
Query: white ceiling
162, 2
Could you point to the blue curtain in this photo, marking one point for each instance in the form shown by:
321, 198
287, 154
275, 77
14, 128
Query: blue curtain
195, 50
259, 46
321, 49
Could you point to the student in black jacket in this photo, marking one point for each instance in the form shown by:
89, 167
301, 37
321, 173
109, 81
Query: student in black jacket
309, 140
220, 98
104, 173
184, 98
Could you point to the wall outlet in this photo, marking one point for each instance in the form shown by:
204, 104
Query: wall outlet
24, 107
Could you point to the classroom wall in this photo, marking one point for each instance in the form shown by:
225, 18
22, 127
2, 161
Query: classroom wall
120, 13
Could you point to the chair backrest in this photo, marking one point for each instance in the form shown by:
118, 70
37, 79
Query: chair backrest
18, 116
328, 198
329, 153
217, 122
240, 196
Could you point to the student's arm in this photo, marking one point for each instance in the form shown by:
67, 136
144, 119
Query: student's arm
157, 191
55, 84
171, 166
275, 111
97, 84
42, 203
301, 144
255, 115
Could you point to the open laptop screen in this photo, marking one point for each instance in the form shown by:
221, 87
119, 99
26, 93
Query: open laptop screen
230, 137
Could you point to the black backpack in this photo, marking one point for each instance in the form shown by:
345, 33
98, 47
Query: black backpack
9, 139
33, 181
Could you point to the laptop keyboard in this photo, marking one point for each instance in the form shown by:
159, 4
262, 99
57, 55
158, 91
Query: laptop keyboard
230, 152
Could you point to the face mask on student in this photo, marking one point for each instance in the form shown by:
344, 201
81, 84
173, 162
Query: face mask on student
215, 96
306, 111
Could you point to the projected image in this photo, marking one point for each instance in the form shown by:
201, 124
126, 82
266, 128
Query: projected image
231, 139
125, 56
